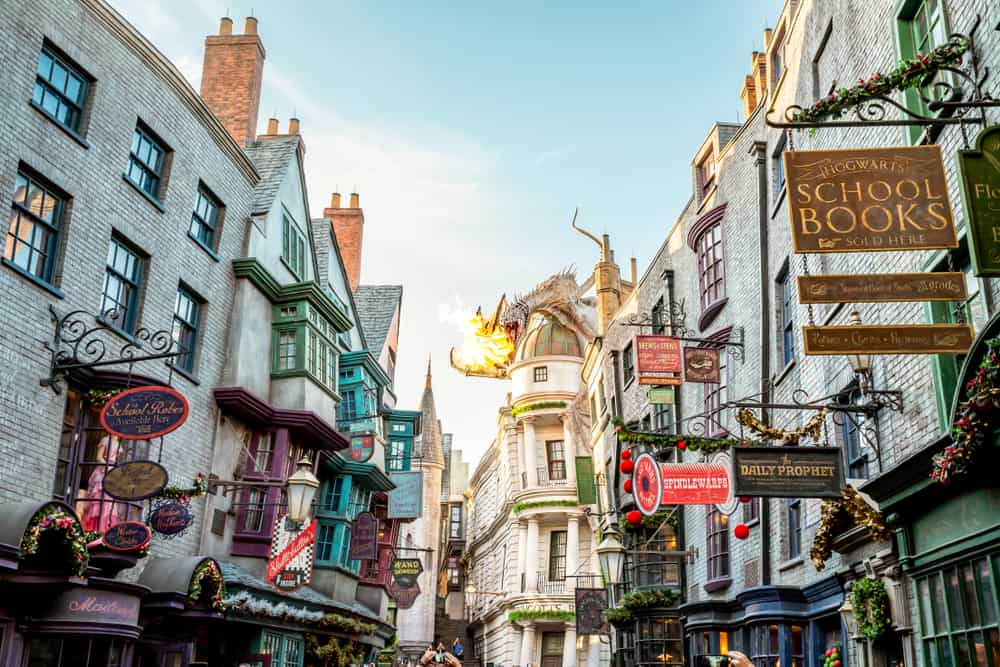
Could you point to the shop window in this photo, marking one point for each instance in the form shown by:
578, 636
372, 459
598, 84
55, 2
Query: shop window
285, 650
541, 373
717, 530
206, 218
770, 642
710, 644
958, 614
122, 283
921, 26
793, 524
557, 555
651, 566
32, 241
293, 247
556, 458
628, 364
658, 642
75, 651
60, 89
147, 162
187, 319
849, 427
398, 457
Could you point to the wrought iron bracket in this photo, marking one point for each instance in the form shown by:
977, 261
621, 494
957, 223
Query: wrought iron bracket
216, 484
955, 103
676, 327
78, 344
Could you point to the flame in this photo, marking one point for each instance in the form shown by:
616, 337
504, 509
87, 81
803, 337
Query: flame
486, 348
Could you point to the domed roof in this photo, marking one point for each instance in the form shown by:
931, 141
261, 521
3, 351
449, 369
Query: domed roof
548, 338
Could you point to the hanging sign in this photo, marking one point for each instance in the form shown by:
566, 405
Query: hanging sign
878, 287
869, 199
170, 518
889, 339
647, 485
404, 597
591, 604
656, 484
144, 412
660, 395
701, 364
362, 447
405, 571
732, 501
980, 169
406, 500
291, 562
658, 359
135, 480
127, 536
788, 472
364, 537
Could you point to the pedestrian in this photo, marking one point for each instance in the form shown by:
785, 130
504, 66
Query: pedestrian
457, 649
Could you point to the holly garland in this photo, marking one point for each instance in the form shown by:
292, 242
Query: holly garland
647, 599
182, 494
910, 73
839, 514
812, 429
831, 657
207, 575
871, 606
692, 443
54, 518
976, 422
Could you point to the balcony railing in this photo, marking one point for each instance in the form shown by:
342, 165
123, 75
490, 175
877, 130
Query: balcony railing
544, 480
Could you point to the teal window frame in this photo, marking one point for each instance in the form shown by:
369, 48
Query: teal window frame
286, 650
341, 500
32, 239
391, 457
293, 246
61, 88
909, 44
316, 354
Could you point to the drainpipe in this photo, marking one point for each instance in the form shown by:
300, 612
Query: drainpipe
759, 151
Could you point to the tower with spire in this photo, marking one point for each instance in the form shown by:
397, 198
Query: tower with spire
415, 626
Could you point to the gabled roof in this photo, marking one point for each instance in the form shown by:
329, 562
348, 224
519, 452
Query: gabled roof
271, 157
323, 230
376, 306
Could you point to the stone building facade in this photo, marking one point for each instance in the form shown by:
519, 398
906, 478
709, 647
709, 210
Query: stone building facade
729, 260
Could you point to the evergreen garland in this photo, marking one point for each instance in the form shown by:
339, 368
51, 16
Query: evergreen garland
335, 652
638, 600
618, 616
871, 606
838, 515
531, 407
199, 488
520, 507
55, 519
541, 615
692, 443
207, 576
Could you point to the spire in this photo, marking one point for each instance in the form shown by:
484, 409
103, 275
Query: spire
430, 439
427, 384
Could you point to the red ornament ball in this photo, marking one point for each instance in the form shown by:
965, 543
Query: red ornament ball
627, 467
634, 518
628, 486
836, 663
829, 652
626, 454
745, 499
744, 443
681, 444
741, 531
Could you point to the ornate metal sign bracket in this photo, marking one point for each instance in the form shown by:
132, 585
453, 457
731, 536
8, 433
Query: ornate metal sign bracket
78, 344
677, 328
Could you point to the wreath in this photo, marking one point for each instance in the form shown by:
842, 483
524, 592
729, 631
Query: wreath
871, 606
55, 519
207, 575
976, 422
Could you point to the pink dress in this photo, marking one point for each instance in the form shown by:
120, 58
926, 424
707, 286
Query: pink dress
101, 511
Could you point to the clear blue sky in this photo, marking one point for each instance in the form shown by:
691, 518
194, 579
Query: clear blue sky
471, 131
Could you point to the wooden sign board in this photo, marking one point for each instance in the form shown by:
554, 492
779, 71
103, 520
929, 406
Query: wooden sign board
135, 480
878, 287
788, 472
662, 380
660, 395
591, 605
405, 571
889, 339
869, 199
144, 412
658, 354
364, 537
701, 364
170, 518
980, 171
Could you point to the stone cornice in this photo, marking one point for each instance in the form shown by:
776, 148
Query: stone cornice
251, 269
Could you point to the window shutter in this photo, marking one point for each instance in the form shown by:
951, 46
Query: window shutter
586, 491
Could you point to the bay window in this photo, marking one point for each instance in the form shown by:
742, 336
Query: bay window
271, 458
341, 500
705, 239
304, 343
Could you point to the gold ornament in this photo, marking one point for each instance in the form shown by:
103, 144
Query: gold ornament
812, 429
840, 514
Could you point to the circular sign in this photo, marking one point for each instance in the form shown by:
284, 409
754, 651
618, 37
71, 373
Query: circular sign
647, 487
362, 447
127, 536
170, 518
144, 412
732, 502
135, 480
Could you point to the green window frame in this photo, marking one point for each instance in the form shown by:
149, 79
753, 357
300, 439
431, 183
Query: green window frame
303, 343
286, 650
921, 26
398, 455
293, 246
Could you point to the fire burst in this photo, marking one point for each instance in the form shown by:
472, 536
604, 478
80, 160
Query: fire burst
486, 348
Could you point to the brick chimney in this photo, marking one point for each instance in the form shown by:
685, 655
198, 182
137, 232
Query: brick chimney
348, 227
231, 77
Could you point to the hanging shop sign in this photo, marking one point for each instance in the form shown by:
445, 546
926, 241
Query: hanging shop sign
591, 604
658, 359
144, 412
660, 395
404, 597
127, 536
656, 484
701, 364
170, 518
364, 537
788, 472
362, 447
89, 605
980, 169
662, 380
135, 480
869, 199
406, 500
405, 571
890, 339
724, 461
878, 287
291, 561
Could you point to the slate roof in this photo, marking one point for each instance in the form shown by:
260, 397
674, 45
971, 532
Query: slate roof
376, 306
271, 158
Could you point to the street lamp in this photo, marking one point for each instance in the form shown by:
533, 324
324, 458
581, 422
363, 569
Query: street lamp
302, 487
612, 555
860, 363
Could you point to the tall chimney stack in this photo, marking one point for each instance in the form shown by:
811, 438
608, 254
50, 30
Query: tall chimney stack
293, 126
348, 227
272, 126
231, 77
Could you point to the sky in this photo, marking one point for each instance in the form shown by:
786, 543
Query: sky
471, 131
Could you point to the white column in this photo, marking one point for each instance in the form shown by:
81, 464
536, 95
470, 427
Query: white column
569, 646
569, 445
594, 651
531, 552
530, 458
515, 658
528, 645
522, 555
572, 551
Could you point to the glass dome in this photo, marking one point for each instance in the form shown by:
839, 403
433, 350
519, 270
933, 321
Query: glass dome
550, 337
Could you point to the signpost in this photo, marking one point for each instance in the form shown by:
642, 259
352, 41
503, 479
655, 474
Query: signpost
657, 484
362, 447
788, 472
405, 571
144, 412
291, 561
127, 536
135, 480
591, 603
701, 364
869, 199
980, 169
406, 500
878, 287
891, 339
364, 537
658, 359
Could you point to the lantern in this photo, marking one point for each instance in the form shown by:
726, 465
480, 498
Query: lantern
302, 487
611, 555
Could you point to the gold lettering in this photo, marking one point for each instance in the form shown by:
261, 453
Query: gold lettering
833, 227
856, 190
927, 189
938, 211
871, 227
915, 191
819, 195
871, 192
803, 189
808, 215
904, 217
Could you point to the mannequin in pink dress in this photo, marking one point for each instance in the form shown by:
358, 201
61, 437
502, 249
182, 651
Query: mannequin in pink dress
100, 515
